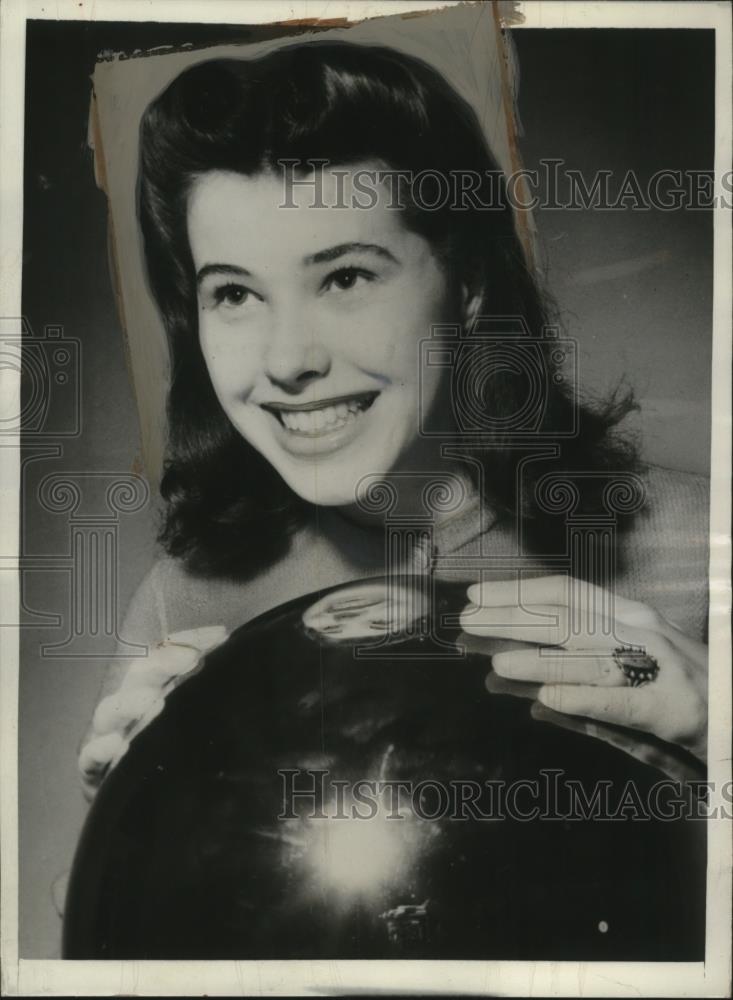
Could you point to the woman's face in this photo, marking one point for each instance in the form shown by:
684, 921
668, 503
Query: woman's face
310, 320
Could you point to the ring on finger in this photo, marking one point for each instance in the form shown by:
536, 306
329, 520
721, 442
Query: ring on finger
636, 665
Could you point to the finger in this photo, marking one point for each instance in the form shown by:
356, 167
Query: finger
177, 655
625, 706
160, 665
544, 625
474, 644
202, 639
124, 709
99, 755
496, 684
587, 600
620, 739
635, 745
553, 666
556, 626
520, 590
357, 603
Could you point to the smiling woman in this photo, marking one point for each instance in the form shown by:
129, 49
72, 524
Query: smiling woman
325, 349
219, 188
361, 389
310, 323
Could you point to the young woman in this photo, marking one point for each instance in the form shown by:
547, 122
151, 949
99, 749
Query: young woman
306, 263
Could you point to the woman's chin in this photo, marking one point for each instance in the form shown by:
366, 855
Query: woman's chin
317, 489
340, 481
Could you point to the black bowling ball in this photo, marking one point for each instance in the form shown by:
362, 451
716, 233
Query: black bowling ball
336, 781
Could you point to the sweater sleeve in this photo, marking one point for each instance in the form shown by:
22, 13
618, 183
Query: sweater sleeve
144, 625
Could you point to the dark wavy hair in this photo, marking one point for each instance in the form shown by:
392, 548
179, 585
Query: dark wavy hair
228, 511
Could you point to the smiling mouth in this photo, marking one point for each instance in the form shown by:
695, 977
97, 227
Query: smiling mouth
316, 419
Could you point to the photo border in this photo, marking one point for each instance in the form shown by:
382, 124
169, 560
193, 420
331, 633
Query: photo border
60, 977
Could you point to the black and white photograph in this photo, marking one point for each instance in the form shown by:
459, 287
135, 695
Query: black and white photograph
366, 512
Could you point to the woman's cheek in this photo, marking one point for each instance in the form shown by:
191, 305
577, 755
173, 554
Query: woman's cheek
231, 361
378, 337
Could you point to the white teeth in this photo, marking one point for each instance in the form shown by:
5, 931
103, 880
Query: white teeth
327, 418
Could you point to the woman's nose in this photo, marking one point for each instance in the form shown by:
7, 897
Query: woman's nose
296, 356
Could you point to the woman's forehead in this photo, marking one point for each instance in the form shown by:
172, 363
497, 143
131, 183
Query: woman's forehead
271, 214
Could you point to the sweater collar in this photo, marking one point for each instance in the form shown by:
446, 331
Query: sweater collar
452, 530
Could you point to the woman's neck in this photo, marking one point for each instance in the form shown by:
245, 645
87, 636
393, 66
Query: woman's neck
411, 496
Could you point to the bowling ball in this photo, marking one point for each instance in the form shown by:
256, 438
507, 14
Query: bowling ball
337, 780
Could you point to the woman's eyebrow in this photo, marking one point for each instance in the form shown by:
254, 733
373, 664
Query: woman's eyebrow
221, 269
332, 253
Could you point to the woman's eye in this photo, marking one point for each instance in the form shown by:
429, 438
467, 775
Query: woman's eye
231, 295
347, 278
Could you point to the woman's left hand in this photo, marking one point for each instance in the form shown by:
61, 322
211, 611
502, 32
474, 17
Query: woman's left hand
582, 625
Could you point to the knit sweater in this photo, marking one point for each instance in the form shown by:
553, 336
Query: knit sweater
664, 558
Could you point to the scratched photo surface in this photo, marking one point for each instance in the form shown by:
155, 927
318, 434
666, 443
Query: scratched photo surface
202, 789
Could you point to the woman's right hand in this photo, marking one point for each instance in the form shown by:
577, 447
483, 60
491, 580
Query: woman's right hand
120, 716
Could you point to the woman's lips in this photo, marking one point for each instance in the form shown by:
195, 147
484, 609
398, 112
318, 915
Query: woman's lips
320, 427
318, 418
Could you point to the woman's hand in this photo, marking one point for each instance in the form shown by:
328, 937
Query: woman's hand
576, 628
120, 716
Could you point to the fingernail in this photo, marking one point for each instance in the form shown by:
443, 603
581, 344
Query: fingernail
202, 639
467, 613
160, 666
100, 752
503, 665
549, 696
